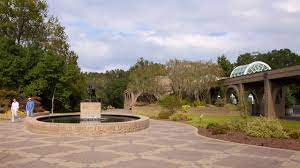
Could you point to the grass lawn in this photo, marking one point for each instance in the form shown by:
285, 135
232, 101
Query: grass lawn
290, 124
219, 115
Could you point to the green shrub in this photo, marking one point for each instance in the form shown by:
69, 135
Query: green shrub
265, 128
165, 114
294, 133
171, 103
6, 97
220, 102
198, 103
185, 108
7, 114
180, 117
238, 124
212, 125
186, 102
110, 107
217, 128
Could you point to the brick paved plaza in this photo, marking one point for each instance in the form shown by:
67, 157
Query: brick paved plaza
164, 144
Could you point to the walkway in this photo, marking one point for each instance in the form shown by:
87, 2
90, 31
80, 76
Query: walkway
164, 144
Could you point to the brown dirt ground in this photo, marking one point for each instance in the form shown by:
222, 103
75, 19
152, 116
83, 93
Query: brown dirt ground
240, 137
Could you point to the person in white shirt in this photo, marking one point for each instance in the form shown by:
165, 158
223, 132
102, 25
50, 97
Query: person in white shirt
14, 110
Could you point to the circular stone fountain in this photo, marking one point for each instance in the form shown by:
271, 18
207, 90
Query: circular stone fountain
89, 122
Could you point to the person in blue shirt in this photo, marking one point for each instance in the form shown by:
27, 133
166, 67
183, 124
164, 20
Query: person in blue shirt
29, 107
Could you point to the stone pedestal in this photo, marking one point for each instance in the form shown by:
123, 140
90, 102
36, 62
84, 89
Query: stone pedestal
90, 110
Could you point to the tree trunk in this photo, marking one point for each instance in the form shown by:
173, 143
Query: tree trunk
196, 96
52, 101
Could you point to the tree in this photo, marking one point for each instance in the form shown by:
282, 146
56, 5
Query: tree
180, 76
27, 23
226, 65
5, 99
276, 58
244, 59
35, 57
205, 76
53, 75
279, 58
10, 62
44, 77
15, 62
23, 20
192, 79
110, 86
56, 39
116, 85
143, 78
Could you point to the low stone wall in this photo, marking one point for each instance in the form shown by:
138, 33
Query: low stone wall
86, 129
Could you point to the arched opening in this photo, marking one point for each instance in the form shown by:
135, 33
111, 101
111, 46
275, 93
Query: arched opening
252, 104
232, 96
215, 94
233, 99
145, 99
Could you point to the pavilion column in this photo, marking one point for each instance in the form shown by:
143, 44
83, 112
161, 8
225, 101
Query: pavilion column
282, 103
241, 94
260, 101
279, 100
225, 97
269, 109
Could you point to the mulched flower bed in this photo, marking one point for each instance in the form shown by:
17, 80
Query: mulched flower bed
240, 137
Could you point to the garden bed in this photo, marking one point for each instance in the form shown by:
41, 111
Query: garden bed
241, 137
238, 128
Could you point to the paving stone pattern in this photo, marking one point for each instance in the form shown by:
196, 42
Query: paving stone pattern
164, 144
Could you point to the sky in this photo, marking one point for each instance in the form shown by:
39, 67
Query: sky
114, 34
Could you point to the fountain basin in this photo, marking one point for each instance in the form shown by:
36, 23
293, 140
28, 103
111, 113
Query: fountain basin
106, 118
70, 124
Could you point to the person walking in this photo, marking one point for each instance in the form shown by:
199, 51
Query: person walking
14, 110
29, 107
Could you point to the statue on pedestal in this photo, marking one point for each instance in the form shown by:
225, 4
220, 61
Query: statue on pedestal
91, 93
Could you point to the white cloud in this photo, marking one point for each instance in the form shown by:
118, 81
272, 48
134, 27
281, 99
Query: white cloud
112, 34
191, 40
91, 49
106, 68
115, 66
291, 6
247, 13
91, 52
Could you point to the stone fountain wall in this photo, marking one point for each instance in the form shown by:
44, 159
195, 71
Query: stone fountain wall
96, 129
90, 110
